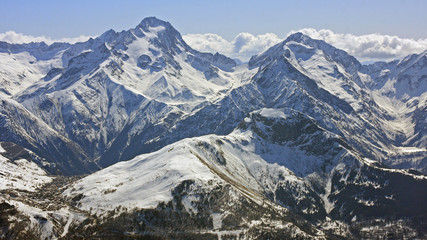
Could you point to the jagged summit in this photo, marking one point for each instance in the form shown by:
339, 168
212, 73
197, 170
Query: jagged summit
167, 36
301, 46
153, 22
279, 49
299, 37
108, 35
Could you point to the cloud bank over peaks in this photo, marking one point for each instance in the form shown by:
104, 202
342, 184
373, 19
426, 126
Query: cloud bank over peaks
242, 47
366, 48
369, 47
13, 37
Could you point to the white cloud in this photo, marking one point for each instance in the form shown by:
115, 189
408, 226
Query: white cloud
242, 47
370, 47
208, 42
13, 37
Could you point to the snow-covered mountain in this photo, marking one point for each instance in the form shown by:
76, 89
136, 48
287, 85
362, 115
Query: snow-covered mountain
303, 141
337, 91
276, 158
120, 85
24, 64
20, 126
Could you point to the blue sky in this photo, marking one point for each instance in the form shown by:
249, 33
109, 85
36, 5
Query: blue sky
227, 18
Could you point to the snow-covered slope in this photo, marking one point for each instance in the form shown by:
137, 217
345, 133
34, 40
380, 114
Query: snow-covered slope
18, 169
251, 159
276, 156
399, 87
20, 126
29, 205
121, 84
331, 86
401, 79
146, 85
24, 64
153, 176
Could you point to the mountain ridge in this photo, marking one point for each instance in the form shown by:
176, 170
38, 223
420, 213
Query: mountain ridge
168, 90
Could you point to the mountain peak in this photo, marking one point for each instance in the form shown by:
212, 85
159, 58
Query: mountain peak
334, 53
299, 37
108, 35
277, 50
304, 44
148, 22
167, 36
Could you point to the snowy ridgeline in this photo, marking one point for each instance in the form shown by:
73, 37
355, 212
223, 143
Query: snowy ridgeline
253, 158
147, 85
269, 168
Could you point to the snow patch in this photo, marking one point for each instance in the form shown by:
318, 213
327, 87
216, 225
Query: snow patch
273, 113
